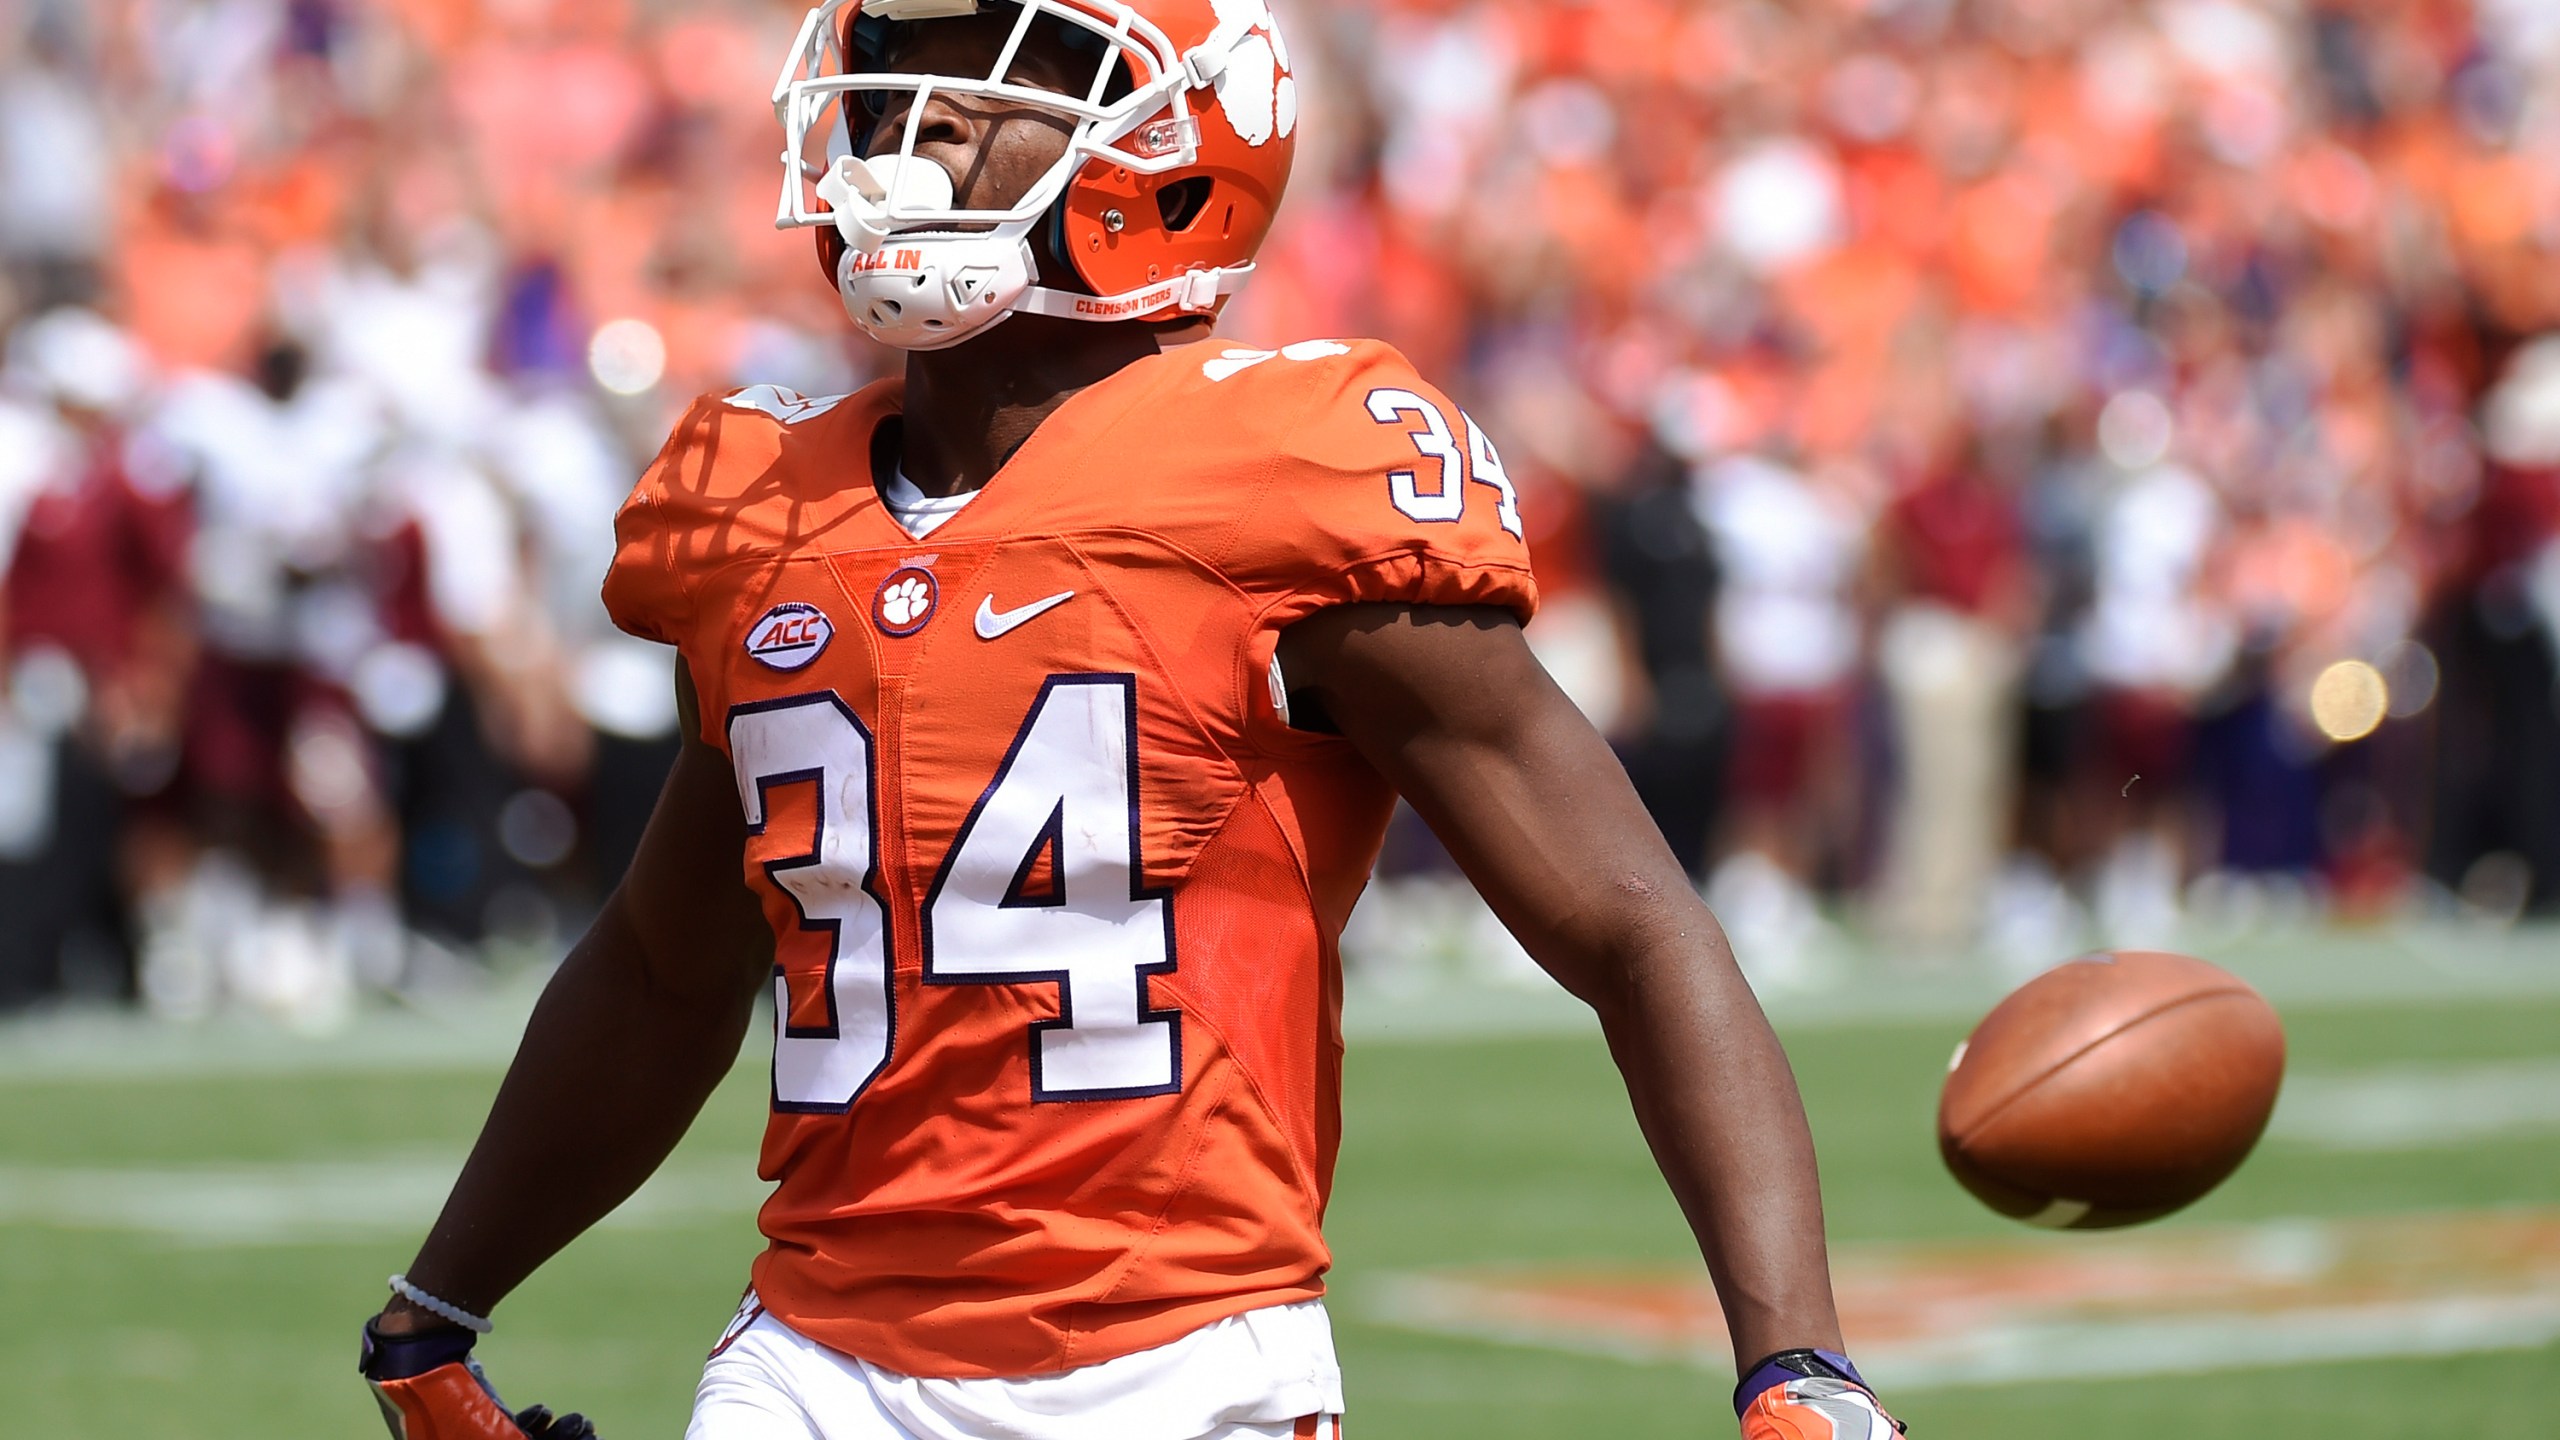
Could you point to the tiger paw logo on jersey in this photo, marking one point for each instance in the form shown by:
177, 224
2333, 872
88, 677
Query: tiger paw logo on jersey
906, 600
790, 635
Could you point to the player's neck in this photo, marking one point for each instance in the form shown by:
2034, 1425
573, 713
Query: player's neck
969, 408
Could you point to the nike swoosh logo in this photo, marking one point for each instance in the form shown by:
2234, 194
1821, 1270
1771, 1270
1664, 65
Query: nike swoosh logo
993, 622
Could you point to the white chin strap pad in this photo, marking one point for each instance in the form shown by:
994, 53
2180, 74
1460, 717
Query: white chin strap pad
923, 289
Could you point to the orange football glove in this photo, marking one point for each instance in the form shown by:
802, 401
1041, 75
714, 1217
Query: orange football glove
1810, 1395
430, 1388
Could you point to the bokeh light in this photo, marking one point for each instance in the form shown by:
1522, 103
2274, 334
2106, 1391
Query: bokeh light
2135, 430
537, 828
2149, 253
627, 356
2349, 699
2410, 670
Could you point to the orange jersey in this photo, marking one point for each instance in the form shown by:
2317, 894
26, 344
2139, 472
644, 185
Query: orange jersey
1054, 887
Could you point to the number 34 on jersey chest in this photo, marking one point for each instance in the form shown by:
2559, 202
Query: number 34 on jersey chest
957, 778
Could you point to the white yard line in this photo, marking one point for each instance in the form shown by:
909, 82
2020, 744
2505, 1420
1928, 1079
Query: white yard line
478, 1033
2347, 969
316, 1202
2419, 1107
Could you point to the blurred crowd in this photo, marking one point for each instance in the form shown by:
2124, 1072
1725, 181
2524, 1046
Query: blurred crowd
2013, 473
2008, 473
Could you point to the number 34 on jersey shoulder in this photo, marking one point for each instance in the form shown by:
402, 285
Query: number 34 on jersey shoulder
1054, 888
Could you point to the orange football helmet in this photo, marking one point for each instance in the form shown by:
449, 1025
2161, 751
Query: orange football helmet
1180, 150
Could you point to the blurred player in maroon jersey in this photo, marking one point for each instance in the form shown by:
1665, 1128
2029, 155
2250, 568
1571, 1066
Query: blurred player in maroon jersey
96, 648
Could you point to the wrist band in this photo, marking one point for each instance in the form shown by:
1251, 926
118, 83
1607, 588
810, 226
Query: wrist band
476, 1324
1786, 1365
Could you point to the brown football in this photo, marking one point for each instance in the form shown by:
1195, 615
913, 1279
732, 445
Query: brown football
2111, 1090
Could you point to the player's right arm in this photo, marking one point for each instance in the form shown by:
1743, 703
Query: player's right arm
639, 1023
633, 1031
641, 1020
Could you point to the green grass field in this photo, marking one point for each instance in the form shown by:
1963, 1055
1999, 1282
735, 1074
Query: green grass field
186, 1243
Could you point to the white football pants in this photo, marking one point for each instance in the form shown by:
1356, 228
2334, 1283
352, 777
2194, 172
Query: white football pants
768, 1382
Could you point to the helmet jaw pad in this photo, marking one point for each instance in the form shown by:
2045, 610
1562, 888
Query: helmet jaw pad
910, 287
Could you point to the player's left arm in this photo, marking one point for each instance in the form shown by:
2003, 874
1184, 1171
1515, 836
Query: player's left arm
1452, 708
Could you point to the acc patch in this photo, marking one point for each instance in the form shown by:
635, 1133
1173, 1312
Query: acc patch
906, 600
789, 636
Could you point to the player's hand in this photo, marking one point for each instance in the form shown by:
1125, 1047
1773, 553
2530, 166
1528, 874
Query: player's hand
1810, 1395
430, 1388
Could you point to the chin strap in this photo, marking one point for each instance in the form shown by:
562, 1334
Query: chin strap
1193, 292
1206, 61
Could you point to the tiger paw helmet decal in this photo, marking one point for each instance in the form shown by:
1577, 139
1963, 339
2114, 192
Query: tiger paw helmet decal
1256, 90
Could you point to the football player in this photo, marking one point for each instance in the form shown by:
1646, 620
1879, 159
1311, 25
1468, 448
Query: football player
1043, 713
